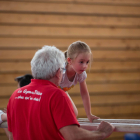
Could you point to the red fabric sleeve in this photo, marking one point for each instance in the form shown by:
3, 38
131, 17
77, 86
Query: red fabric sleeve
63, 112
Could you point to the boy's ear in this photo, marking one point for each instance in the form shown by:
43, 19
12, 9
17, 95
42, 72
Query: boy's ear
69, 60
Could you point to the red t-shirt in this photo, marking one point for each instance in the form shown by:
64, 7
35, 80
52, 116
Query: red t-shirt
37, 111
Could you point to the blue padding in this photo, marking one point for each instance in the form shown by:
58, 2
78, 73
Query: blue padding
131, 136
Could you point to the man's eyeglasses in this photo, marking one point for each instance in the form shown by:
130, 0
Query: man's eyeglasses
63, 70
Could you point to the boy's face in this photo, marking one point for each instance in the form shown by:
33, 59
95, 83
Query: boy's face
18, 86
80, 63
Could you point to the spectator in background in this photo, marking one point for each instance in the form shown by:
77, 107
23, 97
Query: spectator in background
22, 81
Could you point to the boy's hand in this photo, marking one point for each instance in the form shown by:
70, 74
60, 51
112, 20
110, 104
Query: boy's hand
92, 117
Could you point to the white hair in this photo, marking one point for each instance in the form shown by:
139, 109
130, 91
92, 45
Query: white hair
46, 62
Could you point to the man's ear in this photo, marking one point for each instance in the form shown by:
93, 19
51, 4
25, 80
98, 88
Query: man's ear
69, 60
58, 73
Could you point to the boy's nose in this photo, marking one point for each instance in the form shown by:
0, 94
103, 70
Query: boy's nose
85, 66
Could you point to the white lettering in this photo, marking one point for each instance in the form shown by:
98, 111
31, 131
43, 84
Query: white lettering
19, 97
19, 91
26, 98
36, 92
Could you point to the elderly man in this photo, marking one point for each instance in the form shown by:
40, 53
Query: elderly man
42, 111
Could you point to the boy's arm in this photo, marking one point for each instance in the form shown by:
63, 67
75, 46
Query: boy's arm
11, 136
86, 100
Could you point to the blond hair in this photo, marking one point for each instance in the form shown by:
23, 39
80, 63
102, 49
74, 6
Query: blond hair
76, 48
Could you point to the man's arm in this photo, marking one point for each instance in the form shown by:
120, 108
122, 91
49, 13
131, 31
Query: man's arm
73, 132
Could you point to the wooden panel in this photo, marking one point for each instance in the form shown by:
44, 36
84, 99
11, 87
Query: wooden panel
110, 88
7, 90
113, 38
129, 2
109, 99
9, 78
43, 31
113, 77
114, 110
116, 136
120, 116
3, 103
95, 88
25, 67
2, 131
91, 77
68, 8
17, 54
115, 66
122, 2
72, 20
16, 67
3, 137
102, 55
63, 43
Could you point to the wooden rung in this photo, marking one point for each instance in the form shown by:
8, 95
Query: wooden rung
128, 121
121, 125
72, 8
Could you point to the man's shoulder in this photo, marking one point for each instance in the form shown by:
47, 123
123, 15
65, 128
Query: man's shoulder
16, 91
58, 92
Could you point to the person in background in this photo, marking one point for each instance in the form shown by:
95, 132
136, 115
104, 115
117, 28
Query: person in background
22, 81
78, 57
3, 116
41, 110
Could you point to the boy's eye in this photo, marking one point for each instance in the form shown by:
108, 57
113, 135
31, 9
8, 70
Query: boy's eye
81, 62
87, 62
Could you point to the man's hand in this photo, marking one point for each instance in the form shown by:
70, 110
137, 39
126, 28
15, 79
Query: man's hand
106, 128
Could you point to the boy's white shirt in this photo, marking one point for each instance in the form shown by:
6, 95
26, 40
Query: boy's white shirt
78, 78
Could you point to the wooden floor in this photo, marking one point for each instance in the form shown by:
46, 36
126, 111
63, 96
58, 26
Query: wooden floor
110, 27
